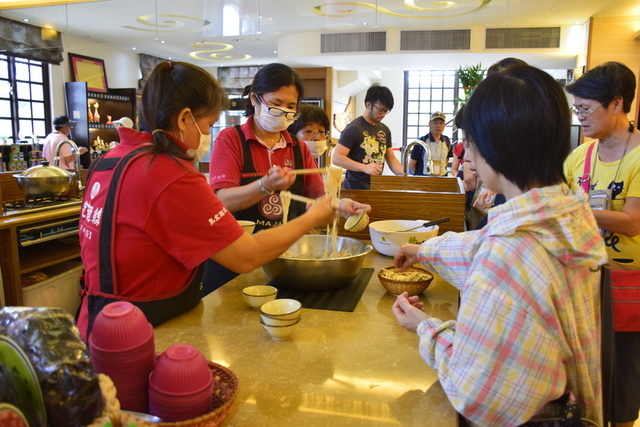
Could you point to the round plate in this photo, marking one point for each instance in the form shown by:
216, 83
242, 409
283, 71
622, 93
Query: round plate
24, 380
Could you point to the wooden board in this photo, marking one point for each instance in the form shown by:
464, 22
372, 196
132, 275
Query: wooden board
415, 183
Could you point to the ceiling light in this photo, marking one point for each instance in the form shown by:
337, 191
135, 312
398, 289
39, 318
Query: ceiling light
364, 23
275, 51
26, 20
134, 48
236, 40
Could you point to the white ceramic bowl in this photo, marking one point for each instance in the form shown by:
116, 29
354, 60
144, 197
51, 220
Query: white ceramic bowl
280, 332
387, 239
255, 296
283, 309
274, 321
248, 226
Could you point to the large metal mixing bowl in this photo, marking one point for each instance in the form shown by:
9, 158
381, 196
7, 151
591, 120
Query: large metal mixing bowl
318, 274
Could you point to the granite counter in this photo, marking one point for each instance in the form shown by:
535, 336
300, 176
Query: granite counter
355, 368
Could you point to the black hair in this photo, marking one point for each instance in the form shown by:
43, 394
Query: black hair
458, 120
171, 87
382, 94
270, 78
519, 122
309, 114
504, 63
604, 82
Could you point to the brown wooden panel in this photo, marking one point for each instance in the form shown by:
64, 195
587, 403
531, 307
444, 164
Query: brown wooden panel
408, 205
415, 183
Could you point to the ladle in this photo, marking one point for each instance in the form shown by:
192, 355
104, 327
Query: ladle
427, 224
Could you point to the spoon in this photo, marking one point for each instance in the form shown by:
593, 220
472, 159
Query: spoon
427, 224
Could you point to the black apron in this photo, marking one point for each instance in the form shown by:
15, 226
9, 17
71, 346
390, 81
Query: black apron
216, 275
157, 311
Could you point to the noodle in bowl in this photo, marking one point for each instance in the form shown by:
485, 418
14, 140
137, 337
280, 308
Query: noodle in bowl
306, 267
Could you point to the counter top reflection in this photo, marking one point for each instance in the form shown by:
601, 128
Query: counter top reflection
338, 368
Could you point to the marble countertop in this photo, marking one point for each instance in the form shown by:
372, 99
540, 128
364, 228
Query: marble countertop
355, 368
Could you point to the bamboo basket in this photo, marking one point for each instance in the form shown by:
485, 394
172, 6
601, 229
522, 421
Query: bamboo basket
396, 287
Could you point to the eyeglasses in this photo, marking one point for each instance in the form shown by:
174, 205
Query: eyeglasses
585, 113
279, 112
310, 134
382, 110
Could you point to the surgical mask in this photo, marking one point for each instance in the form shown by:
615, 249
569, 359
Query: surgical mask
317, 147
272, 123
203, 147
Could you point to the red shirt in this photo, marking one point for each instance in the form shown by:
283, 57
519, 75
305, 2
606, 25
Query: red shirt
168, 222
227, 159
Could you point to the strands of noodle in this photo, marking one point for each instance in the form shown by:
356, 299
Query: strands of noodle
332, 184
285, 199
405, 276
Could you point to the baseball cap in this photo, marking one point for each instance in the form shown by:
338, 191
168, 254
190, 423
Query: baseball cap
124, 121
438, 115
62, 121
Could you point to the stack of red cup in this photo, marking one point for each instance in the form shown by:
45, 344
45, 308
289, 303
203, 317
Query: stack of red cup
122, 346
181, 384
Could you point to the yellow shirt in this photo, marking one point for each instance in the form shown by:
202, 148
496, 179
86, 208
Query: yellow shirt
623, 251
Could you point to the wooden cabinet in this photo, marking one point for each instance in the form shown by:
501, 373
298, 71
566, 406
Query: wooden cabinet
116, 103
318, 83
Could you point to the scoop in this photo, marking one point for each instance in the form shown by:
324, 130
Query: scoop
427, 224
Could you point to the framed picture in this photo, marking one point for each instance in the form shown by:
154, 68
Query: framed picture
90, 70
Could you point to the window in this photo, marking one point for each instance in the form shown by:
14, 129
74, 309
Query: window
425, 93
24, 98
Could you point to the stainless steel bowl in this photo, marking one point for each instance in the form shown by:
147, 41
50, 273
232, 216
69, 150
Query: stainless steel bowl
318, 274
44, 181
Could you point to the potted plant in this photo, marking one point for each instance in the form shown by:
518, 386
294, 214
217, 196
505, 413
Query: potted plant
469, 78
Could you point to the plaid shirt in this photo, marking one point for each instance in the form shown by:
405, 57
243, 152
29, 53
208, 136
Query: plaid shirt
528, 326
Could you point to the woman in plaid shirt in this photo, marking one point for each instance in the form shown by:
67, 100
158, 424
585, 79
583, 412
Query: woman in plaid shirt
528, 328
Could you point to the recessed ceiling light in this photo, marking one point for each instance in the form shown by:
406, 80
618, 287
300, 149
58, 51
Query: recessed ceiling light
134, 48
26, 20
236, 40
364, 23
275, 51
162, 41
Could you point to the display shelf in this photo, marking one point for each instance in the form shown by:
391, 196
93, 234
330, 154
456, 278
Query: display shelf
46, 254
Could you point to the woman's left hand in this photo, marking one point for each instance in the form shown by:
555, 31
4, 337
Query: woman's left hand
349, 207
409, 311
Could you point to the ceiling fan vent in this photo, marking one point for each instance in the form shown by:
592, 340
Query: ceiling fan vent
522, 38
435, 40
372, 41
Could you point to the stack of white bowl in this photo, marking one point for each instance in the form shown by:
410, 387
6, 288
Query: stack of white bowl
280, 317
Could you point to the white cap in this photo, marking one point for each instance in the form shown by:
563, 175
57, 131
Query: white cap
124, 121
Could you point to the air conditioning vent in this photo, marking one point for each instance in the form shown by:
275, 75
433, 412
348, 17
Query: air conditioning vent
522, 38
435, 40
373, 41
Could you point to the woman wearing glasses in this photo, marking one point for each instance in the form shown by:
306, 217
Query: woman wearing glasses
602, 99
312, 128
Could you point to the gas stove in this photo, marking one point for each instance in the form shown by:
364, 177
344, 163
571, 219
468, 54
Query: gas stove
30, 205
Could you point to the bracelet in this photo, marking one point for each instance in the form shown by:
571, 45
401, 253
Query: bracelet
263, 190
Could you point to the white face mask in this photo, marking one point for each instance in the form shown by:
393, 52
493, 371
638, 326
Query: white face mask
203, 147
317, 147
272, 123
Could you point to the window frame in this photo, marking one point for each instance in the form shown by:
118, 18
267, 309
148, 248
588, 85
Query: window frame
15, 102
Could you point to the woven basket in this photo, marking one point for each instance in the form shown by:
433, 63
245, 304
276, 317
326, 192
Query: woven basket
225, 390
396, 287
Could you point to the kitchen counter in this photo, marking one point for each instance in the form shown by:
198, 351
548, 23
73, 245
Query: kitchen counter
355, 368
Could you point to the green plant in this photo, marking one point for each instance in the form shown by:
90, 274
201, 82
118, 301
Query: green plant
469, 78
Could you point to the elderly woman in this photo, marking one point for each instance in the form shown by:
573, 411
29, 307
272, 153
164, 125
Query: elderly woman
312, 127
527, 332
602, 99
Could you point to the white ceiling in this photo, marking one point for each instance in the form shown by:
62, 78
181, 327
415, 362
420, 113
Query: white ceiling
170, 28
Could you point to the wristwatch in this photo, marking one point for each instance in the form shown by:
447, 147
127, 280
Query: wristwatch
263, 190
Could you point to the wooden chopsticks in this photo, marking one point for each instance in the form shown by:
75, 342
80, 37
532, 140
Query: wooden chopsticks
296, 171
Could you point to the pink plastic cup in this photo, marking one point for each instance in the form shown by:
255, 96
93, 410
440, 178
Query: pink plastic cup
120, 326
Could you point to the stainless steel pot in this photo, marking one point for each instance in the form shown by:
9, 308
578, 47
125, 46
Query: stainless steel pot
318, 274
44, 181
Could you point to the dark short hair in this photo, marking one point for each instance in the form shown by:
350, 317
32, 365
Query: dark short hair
310, 114
604, 82
270, 78
458, 120
171, 87
519, 122
381, 94
504, 63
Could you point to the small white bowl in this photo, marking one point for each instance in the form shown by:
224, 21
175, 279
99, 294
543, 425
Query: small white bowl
280, 332
255, 296
284, 309
357, 222
248, 226
274, 321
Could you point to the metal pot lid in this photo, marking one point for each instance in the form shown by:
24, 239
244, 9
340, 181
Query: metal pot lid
44, 171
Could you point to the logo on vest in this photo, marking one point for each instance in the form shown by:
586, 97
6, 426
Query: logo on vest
270, 206
95, 189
